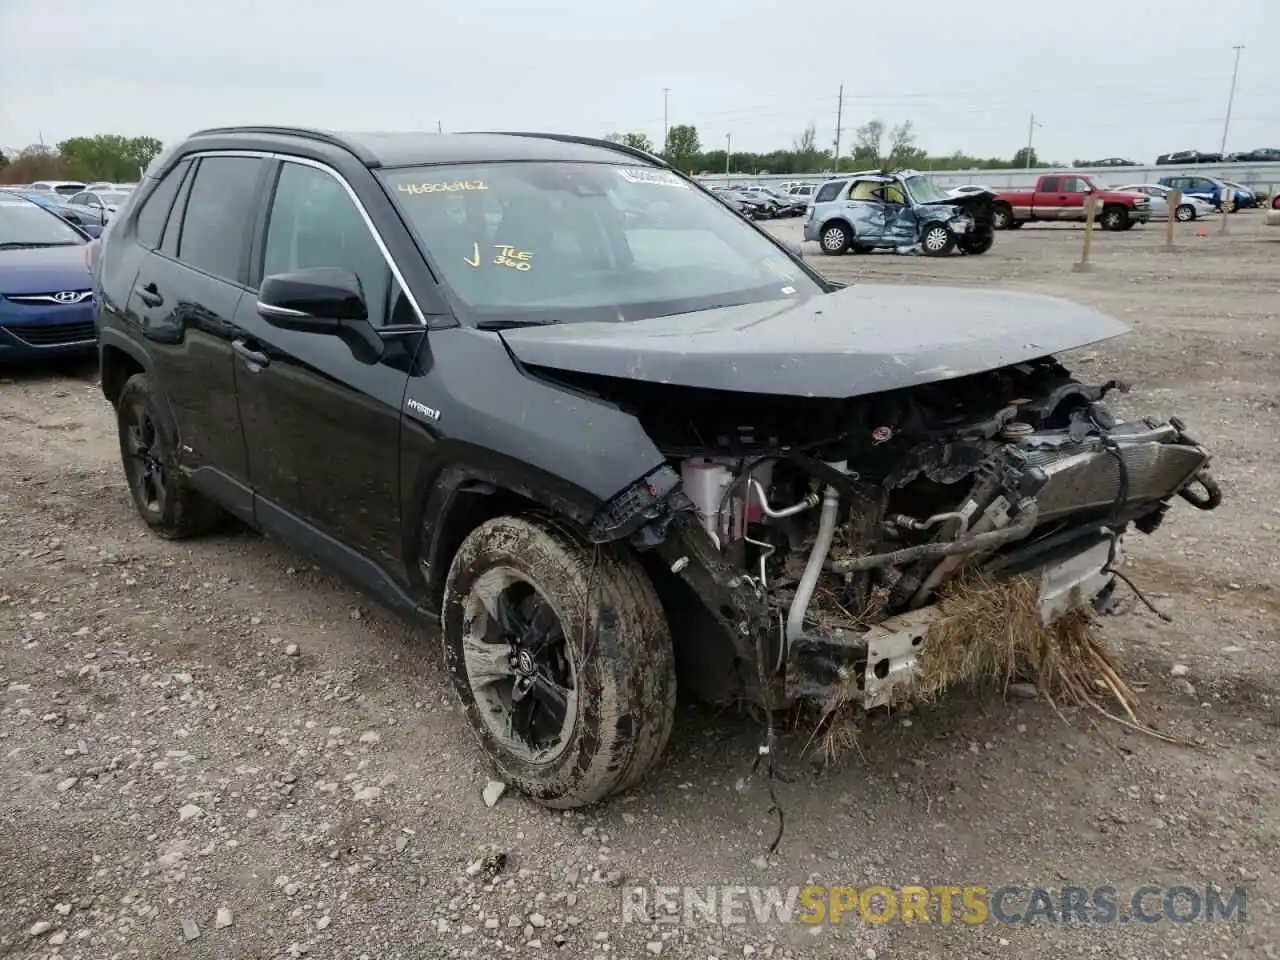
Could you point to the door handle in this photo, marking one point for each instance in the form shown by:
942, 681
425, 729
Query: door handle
149, 295
254, 358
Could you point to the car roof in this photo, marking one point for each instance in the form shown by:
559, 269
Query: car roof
388, 149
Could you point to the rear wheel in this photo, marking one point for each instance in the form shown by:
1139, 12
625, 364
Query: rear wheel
561, 655
148, 447
835, 239
1002, 217
937, 240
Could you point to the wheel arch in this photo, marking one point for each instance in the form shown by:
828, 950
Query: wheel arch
448, 503
119, 358
839, 220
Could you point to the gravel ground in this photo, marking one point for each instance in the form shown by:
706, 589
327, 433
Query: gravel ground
213, 749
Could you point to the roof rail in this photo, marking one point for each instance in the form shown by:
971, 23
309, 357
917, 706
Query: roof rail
627, 149
306, 133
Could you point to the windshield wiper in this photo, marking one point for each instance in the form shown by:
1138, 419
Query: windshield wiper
511, 323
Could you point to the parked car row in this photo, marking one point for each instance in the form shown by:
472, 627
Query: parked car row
1260, 155
89, 208
764, 203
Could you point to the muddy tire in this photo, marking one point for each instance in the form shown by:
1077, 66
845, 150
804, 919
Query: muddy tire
1114, 218
937, 240
835, 239
1184, 213
1002, 217
561, 655
148, 450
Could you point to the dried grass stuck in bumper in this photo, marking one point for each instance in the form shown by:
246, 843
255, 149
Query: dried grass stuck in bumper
990, 633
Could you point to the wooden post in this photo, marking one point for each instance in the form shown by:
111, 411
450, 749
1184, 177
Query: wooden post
1173, 199
1090, 208
1228, 201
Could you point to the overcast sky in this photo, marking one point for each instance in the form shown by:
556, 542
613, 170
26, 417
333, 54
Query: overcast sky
1126, 78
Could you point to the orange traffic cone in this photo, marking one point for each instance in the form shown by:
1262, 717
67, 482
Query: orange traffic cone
1203, 231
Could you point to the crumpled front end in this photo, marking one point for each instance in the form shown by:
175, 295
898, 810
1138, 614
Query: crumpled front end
821, 538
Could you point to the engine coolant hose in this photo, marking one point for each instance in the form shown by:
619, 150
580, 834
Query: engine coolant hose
817, 560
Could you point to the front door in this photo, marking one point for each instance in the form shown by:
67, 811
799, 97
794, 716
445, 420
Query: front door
1071, 197
321, 413
901, 226
866, 211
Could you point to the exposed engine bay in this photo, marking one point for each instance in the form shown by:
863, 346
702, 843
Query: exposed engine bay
820, 531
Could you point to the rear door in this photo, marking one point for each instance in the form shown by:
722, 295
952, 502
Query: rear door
1047, 200
322, 415
185, 297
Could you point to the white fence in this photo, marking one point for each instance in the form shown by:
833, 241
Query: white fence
1265, 176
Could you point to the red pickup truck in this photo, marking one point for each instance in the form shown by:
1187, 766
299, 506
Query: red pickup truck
1060, 196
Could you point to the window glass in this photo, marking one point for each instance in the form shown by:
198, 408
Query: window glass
81, 198
155, 209
27, 224
565, 241
829, 191
219, 208
1072, 185
314, 223
1049, 185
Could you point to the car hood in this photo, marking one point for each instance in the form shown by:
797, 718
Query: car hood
43, 270
977, 205
858, 340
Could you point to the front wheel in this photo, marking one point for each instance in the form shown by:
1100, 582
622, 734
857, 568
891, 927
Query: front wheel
978, 244
1114, 218
561, 655
1184, 213
835, 239
937, 240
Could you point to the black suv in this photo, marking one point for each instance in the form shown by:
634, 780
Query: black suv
550, 394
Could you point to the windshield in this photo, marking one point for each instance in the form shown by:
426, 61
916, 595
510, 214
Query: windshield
546, 242
28, 225
926, 189
67, 189
113, 199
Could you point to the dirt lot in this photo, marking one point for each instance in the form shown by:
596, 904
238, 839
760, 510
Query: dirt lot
165, 752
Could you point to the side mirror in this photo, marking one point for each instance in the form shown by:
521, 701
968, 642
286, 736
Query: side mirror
316, 300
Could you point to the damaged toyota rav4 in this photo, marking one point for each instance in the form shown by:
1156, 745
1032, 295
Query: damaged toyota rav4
552, 396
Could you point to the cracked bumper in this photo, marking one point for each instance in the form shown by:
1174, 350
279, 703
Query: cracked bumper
887, 656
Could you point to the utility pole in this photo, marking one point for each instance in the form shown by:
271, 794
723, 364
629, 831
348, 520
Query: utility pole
1031, 129
839, 118
728, 152
1231, 97
439, 127
666, 91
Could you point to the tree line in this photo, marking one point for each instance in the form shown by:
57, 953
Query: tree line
875, 145
105, 156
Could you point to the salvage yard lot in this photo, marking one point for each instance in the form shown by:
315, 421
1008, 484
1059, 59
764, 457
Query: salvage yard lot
165, 750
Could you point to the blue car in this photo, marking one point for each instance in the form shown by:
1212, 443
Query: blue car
46, 305
1211, 189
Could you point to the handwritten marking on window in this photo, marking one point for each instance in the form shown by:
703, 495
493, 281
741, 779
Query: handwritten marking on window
452, 186
509, 256
474, 259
